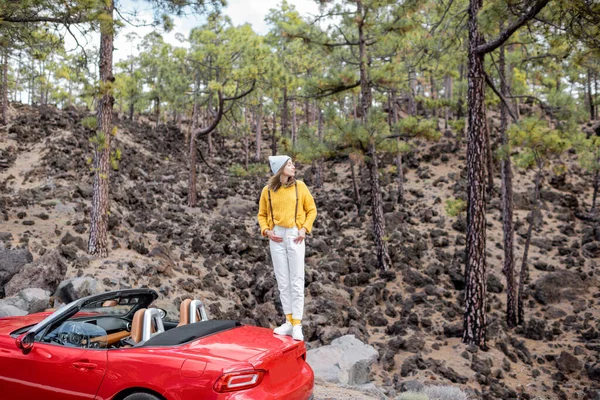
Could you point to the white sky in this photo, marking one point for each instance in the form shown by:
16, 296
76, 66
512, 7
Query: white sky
240, 12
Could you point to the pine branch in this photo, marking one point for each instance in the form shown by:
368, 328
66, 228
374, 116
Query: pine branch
490, 83
507, 33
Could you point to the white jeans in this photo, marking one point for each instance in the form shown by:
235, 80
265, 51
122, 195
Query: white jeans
288, 263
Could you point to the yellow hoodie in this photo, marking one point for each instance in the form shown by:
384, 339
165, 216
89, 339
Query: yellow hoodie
284, 205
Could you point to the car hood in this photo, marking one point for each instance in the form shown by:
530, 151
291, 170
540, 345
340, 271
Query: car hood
11, 324
255, 345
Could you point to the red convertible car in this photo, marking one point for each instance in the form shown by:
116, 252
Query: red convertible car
113, 346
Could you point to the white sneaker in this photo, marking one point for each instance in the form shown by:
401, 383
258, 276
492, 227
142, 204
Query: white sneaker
285, 329
297, 332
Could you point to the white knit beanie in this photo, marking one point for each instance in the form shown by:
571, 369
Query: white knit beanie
277, 162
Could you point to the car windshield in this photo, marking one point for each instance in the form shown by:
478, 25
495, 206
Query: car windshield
115, 307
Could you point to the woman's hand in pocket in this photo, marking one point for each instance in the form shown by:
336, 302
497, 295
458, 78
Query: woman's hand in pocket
301, 235
271, 234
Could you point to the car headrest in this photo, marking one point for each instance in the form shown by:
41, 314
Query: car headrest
110, 303
184, 312
137, 325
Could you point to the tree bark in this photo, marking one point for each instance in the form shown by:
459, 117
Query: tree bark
355, 188
596, 186
412, 83
393, 119
274, 138
98, 241
507, 203
383, 258
294, 122
246, 139
157, 112
489, 159
284, 114
4, 88
319, 166
523, 274
433, 93
475, 270
590, 95
258, 119
596, 94
193, 157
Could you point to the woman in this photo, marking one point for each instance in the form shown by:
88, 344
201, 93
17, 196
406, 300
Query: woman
286, 214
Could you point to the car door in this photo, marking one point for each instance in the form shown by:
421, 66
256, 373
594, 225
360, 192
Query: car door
51, 372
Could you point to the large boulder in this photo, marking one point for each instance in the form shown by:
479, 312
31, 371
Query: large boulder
346, 360
6, 310
11, 262
558, 285
30, 300
45, 273
76, 288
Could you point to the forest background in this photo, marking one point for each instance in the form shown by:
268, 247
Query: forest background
513, 85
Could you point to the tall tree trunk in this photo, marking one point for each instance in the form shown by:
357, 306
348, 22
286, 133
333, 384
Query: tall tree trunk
590, 95
461, 102
307, 112
4, 87
355, 188
284, 114
274, 138
210, 134
489, 159
294, 122
523, 274
412, 83
507, 203
393, 119
448, 95
433, 93
596, 187
157, 112
246, 140
193, 157
258, 118
319, 164
98, 241
383, 258
596, 94
475, 271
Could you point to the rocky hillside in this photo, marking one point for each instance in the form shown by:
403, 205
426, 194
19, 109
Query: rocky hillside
412, 314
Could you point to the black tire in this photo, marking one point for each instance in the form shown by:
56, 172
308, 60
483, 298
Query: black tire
141, 396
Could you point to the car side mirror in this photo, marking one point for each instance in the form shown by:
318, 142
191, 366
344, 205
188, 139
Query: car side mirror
25, 341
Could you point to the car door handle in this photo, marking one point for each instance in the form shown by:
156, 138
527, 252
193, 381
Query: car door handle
84, 365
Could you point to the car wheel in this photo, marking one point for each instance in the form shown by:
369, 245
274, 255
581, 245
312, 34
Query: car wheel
141, 396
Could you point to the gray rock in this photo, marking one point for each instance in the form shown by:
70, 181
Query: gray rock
76, 288
34, 299
11, 311
11, 262
550, 288
494, 285
346, 360
567, 363
45, 273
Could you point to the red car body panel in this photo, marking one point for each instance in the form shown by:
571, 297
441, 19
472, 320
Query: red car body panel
206, 359
50, 372
188, 371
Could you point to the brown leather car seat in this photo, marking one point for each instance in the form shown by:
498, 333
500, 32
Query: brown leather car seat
137, 326
110, 303
184, 312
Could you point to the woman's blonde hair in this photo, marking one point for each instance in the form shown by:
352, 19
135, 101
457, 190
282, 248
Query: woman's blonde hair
275, 181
